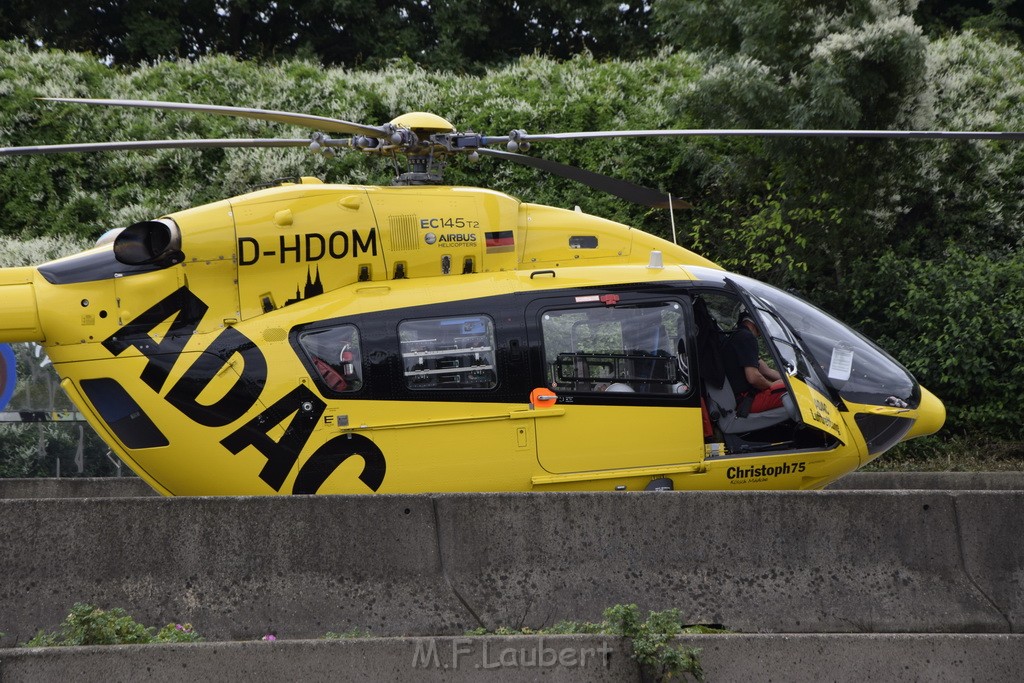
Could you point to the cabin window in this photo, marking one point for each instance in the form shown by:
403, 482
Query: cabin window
122, 414
336, 357
583, 242
449, 353
637, 348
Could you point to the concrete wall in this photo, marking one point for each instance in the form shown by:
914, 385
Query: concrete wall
73, 487
841, 658
788, 562
119, 487
953, 481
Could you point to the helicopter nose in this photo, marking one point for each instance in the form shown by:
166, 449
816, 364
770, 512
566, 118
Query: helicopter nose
20, 319
931, 415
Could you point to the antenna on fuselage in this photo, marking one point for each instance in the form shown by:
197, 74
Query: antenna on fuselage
672, 218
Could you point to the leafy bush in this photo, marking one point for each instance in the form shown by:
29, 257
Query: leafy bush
33, 450
90, 625
958, 327
869, 230
967, 453
651, 638
86, 194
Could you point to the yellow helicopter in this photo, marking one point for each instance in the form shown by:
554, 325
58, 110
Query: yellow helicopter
323, 338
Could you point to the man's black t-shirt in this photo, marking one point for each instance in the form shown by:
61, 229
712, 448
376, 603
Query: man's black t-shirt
740, 352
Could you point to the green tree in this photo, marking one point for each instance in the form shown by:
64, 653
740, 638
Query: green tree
779, 33
1001, 20
806, 64
465, 35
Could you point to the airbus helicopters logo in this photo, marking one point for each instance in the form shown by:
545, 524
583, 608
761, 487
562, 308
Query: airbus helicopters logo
451, 240
299, 407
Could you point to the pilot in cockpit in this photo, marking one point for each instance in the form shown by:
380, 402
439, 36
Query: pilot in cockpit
757, 386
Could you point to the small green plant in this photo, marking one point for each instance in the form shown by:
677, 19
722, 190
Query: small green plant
575, 627
354, 632
651, 638
89, 625
177, 633
559, 629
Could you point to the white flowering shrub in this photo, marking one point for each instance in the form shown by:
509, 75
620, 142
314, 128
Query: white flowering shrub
35, 250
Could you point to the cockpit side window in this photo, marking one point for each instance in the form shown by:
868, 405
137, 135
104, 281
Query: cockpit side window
623, 348
336, 357
720, 313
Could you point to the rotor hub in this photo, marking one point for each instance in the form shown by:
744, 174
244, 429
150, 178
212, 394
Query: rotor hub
425, 122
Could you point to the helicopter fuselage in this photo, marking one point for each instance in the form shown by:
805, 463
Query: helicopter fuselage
314, 338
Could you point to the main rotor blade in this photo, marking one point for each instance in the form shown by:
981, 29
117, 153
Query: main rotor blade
305, 120
623, 189
154, 144
773, 133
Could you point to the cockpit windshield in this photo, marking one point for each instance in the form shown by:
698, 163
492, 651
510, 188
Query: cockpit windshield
848, 362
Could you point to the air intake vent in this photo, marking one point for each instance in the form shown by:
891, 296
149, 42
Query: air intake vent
274, 334
404, 233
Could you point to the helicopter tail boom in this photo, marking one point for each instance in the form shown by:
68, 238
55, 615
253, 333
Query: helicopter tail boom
20, 322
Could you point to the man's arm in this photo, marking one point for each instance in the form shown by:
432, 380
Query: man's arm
757, 380
768, 372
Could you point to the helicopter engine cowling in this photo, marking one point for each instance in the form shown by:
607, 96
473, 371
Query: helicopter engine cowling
149, 242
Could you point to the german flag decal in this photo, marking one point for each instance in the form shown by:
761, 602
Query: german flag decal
503, 240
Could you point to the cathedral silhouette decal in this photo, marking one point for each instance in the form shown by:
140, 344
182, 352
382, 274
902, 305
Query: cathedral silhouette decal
314, 287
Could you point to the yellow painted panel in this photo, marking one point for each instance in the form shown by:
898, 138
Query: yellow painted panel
589, 437
329, 240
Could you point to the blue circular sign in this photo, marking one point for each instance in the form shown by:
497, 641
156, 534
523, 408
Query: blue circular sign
8, 374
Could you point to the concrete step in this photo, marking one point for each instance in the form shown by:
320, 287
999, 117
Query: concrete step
830, 585
852, 658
